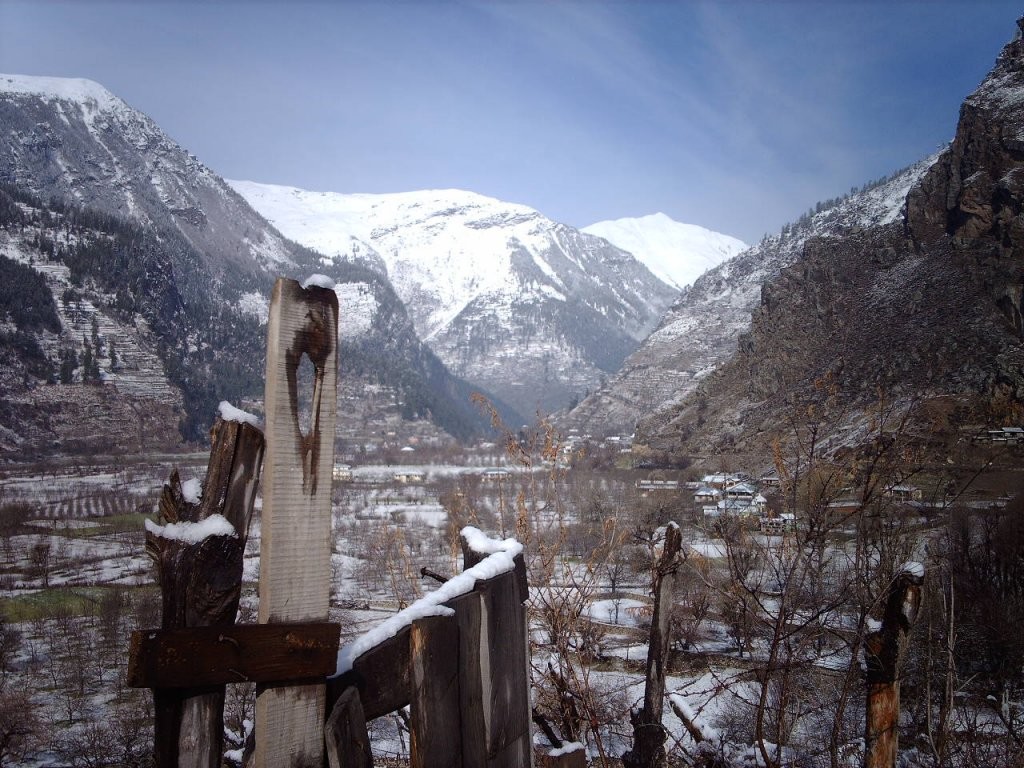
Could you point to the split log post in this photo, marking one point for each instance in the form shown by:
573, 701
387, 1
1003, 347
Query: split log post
494, 669
884, 653
648, 733
200, 585
295, 564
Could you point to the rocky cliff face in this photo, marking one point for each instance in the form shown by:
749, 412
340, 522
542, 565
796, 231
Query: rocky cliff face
972, 196
923, 309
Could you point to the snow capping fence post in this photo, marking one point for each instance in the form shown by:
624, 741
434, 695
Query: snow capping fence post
884, 653
198, 553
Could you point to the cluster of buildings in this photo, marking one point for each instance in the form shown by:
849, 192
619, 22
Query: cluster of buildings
727, 494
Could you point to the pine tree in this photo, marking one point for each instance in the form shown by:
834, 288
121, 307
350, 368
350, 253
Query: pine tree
68, 363
96, 335
90, 365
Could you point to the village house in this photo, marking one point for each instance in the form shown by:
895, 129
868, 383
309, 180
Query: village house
721, 480
903, 492
657, 485
1011, 435
776, 525
705, 494
743, 492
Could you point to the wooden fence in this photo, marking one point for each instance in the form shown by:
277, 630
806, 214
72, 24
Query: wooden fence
464, 676
461, 665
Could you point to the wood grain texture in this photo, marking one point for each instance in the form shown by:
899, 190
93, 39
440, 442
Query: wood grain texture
260, 653
498, 669
345, 736
296, 527
382, 676
436, 725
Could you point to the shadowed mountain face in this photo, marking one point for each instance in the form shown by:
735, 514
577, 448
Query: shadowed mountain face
172, 246
923, 309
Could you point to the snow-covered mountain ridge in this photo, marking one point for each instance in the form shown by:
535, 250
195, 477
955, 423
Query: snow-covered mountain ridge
88, 93
196, 261
676, 253
532, 309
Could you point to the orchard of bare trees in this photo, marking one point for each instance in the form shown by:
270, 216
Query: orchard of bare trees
875, 630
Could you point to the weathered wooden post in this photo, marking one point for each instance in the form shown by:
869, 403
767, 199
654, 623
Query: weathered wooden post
884, 653
295, 566
648, 733
198, 551
494, 667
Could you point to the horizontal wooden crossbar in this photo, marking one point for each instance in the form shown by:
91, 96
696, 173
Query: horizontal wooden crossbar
261, 653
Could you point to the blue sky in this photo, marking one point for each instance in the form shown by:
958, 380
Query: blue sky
737, 116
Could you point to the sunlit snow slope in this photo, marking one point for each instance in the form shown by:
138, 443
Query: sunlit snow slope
533, 310
677, 253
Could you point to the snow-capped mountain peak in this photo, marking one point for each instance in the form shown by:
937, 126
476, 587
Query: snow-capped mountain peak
677, 253
91, 96
532, 309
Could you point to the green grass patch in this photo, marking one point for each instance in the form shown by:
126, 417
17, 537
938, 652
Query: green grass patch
47, 603
133, 523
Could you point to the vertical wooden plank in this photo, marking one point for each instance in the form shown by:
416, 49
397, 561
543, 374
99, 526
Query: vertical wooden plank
469, 615
296, 527
434, 710
509, 744
345, 736
498, 667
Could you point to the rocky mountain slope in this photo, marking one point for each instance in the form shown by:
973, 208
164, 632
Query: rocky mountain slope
164, 241
699, 331
924, 310
530, 309
676, 253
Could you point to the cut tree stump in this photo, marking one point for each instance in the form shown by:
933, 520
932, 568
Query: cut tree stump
295, 566
200, 585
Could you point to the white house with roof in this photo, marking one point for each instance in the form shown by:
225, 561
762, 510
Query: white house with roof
741, 491
706, 494
410, 476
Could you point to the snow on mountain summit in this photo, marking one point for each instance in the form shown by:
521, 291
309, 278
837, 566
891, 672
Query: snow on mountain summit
449, 244
534, 310
677, 253
87, 93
